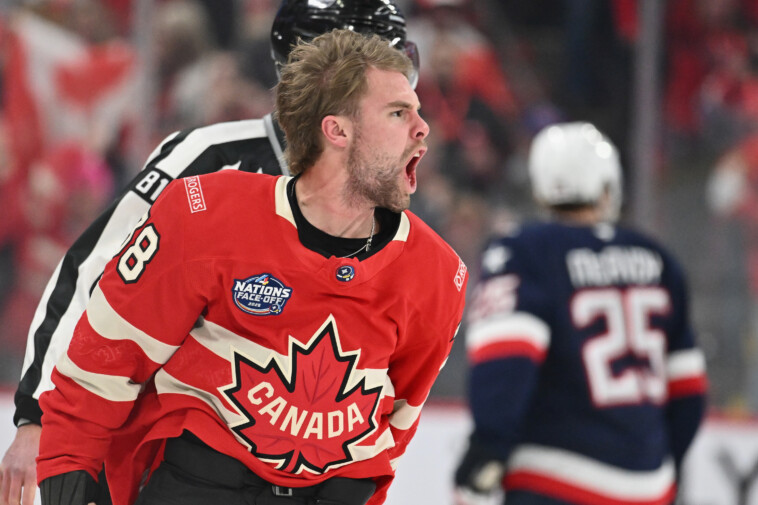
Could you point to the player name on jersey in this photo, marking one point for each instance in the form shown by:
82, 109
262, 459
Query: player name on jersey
614, 265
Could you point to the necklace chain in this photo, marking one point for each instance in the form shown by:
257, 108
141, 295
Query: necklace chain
367, 245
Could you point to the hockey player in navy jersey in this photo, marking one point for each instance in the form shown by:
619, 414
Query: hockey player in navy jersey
586, 385
254, 145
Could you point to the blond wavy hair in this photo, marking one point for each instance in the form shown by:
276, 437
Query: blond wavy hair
327, 76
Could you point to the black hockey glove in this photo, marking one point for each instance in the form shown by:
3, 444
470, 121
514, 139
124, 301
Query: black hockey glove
480, 470
72, 488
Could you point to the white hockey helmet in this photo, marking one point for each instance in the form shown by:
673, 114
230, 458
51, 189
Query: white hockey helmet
574, 163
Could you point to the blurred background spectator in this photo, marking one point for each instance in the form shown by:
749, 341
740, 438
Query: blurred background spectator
89, 87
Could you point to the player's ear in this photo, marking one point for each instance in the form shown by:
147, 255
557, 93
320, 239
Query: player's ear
337, 130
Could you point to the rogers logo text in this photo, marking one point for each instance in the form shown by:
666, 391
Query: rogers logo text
460, 275
194, 194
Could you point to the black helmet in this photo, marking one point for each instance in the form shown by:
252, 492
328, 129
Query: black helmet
307, 19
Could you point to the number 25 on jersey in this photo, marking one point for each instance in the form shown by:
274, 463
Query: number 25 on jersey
627, 314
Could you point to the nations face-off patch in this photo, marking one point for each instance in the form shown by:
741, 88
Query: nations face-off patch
261, 295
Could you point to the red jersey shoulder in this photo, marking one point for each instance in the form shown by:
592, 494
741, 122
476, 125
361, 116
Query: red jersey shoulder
216, 196
212, 211
227, 189
432, 257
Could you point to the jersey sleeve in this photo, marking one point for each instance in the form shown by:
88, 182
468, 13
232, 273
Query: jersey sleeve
121, 340
686, 370
418, 360
190, 152
508, 314
507, 339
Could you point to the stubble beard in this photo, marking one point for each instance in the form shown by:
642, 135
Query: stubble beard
374, 177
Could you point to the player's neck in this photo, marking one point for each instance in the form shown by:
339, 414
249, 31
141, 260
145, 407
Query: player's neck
583, 217
322, 203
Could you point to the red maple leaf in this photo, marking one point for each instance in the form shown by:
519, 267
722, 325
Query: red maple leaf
311, 419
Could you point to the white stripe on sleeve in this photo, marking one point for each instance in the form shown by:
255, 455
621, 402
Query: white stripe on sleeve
516, 326
686, 363
109, 324
111, 387
404, 414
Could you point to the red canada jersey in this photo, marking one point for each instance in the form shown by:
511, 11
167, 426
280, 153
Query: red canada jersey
214, 318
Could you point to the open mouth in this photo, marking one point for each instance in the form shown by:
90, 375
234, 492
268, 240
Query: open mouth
410, 169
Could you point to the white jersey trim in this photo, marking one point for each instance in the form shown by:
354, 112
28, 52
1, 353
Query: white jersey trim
166, 383
224, 343
282, 203
109, 324
513, 327
404, 414
111, 387
364, 452
686, 363
595, 476
404, 229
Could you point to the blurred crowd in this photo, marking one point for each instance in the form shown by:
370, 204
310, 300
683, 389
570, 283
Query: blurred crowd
89, 87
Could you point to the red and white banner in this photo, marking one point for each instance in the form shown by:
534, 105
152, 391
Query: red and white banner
62, 88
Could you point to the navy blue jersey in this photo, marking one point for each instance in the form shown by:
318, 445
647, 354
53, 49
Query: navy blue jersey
585, 374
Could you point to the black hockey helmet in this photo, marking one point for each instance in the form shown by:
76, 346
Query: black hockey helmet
307, 19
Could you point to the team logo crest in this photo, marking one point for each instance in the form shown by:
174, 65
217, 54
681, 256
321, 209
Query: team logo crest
261, 295
345, 273
306, 411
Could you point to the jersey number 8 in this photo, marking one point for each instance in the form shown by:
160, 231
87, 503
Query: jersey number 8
132, 262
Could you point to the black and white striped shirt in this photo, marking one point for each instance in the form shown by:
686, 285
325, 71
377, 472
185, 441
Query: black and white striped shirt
254, 145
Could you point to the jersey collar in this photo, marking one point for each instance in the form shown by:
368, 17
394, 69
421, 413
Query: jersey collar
314, 261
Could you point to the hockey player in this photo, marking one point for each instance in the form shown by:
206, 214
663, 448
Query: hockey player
586, 386
261, 339
254, 145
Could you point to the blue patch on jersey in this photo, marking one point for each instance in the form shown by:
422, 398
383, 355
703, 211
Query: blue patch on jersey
345, 273
261, 295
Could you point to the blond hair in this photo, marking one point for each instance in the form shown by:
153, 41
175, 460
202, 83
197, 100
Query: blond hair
327, 76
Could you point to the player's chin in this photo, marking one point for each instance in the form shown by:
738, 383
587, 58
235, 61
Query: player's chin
400, 202
404, 202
